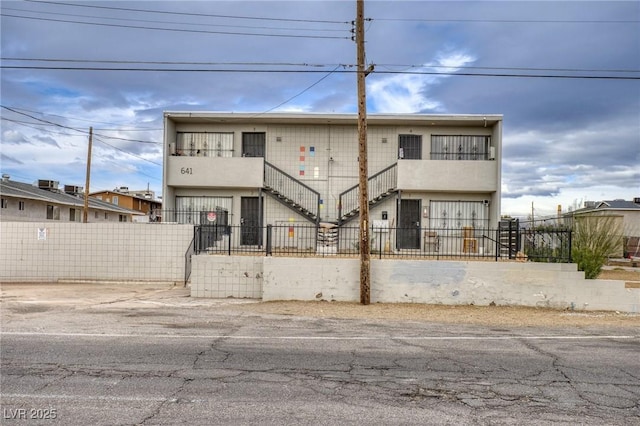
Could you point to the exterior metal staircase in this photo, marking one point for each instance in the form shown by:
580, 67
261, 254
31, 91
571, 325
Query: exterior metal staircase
292, 193
381, 186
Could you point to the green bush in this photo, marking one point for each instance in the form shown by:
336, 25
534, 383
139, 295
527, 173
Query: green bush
595, 239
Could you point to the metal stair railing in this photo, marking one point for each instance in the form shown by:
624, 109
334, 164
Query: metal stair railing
291, 192
380, 186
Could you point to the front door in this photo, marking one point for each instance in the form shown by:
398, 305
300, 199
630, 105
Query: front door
253, 144
410, 147
408, 234
250, 231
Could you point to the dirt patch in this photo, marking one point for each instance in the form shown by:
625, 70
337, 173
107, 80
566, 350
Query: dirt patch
507, 316
619, 274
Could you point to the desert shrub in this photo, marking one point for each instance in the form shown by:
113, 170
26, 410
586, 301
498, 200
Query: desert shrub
595, 239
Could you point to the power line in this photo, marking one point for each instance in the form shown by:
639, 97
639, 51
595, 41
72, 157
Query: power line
75, 129
514, 21
177, 30
311, 65
126, 152
279, 71
193, 14
80, 119
305, 90
103, 61
174, 22
525, 21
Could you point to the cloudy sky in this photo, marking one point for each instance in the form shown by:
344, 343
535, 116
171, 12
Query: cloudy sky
565, 75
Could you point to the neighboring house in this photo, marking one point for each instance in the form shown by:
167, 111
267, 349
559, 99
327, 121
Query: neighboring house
142, 201
43, 201
627, 213
426, 172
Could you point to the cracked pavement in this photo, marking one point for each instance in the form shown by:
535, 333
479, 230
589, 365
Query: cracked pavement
151, 355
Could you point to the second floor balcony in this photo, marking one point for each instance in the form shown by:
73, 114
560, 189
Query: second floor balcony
457, 176
219, 172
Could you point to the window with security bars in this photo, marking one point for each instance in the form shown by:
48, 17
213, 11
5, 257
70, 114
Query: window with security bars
204, 144
460, 147
458, 215
189, 209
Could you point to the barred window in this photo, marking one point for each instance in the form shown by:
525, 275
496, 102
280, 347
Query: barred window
458, 214
460, 147
204, 144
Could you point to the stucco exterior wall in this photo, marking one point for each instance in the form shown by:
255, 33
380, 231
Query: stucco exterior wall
49, 251
550, 285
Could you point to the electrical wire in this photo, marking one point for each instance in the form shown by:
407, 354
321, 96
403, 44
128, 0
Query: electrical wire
87, 121
99, 139
279, 71
295, 96
174, 22
192, 14
305, 64
178, 30
103, 61
85, 132
514, 21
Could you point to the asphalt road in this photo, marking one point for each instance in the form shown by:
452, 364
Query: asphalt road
155, 356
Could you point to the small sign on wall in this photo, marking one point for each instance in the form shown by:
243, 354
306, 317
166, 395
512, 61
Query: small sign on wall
42, 234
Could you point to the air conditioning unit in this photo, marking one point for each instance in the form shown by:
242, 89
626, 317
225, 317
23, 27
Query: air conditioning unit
47, 184
72, 189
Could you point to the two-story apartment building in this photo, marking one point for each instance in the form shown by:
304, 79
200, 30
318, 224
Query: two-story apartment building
426, 172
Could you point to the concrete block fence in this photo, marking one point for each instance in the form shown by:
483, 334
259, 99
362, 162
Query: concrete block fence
53, 251
132, 252
552, 285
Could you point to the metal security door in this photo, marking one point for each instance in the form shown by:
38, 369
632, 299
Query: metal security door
253, 144
410, 147
408, 234
250, 232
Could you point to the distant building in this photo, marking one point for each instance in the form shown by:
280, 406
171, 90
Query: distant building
626, 212
142, 201
45, 201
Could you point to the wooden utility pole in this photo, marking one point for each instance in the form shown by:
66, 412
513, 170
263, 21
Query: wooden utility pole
365, 261
85, 211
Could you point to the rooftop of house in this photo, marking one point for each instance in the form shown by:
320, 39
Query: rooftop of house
47, 191
611, 205
146, 194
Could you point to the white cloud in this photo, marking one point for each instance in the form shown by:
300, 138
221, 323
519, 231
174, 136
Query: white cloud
408, 93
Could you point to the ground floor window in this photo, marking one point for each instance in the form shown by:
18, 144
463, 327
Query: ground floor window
53, 212
193, 209
458, 214
5, 203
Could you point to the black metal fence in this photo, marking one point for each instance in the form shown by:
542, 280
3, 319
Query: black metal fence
328, 240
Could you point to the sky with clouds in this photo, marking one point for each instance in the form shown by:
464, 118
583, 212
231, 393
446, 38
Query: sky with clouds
565, 75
